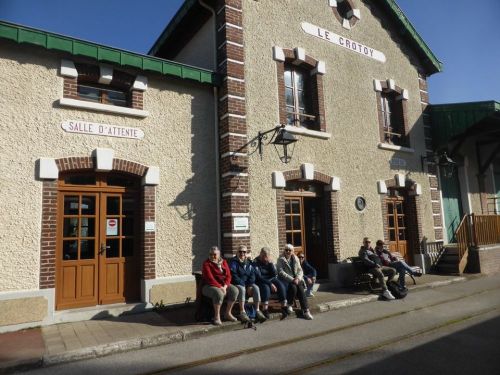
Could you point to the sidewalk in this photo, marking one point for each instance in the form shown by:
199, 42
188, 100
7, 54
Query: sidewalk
95, 338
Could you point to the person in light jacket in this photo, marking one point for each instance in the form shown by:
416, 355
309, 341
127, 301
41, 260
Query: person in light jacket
291, 274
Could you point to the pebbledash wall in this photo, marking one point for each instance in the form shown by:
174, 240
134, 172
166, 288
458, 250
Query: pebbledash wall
345, 154
175, 160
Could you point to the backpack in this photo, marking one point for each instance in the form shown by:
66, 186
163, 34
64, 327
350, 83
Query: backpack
396, 291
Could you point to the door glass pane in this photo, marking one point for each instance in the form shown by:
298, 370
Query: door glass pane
128, 205
70, 228
122, 181
288, 78
287, 207
70, 250
391, 221
288, 223
87, 249
71, 205
297, 239
390, 208
128, 226
88, 205
402, 234
81, 179
112, 248
87, 228
401, 221
289, 97
290, 118
113, 206
295, 207
392, 235
399, 207
128, 247
289, 238
299, 80
112, 226
296, 222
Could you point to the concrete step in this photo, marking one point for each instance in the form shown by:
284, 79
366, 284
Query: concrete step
451, 249
449, 258
447, 268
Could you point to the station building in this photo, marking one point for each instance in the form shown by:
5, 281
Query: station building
252, 123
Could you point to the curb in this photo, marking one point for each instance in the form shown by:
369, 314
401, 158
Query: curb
185, 335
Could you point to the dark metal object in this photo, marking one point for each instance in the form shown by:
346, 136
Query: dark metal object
444, 161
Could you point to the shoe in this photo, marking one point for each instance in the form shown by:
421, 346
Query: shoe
307, 315
217, 322
284, 312
310, 295
244, 317
266, 314
260, 316
230, 318
388, 295
289, 310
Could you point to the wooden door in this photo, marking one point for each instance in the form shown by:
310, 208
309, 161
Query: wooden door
294, 218
314, 226
97, 244
396, 226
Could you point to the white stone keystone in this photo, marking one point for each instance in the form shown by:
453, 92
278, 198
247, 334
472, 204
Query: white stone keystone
278, 54
140, 83
68, 69
320, 68
48, 169
333, 3
381, 187
391, 84
152, 176
307, 171
377, 86
418, 189
400, 179
334, 184
104, 157
300, 54
106, 74
278, 180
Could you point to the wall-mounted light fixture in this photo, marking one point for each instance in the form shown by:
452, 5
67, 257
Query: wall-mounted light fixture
443, 161
278, 136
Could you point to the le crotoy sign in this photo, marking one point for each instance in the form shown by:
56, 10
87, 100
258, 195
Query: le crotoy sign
93, 128
344, 42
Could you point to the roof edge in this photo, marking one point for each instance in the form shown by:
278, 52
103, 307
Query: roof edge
79, 47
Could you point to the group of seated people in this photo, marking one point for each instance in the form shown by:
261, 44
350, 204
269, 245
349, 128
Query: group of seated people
380, 262
258, 278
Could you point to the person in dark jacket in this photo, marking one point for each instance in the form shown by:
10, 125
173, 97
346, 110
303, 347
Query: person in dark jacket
243, 277
216, 278
309, 274
375, 267
267, 281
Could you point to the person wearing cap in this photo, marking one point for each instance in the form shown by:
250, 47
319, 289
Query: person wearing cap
291, 274
216, 279
309, 274
375, 267
390, 260
244, 277
268, 282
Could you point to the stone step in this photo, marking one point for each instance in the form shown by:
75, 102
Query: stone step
447, 268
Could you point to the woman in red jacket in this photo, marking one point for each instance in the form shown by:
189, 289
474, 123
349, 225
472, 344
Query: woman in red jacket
217, 284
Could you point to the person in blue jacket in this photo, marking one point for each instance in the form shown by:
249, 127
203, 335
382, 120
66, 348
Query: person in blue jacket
268, 282
309, 274
243, 277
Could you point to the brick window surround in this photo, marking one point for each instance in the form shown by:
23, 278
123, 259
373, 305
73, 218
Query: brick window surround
345, 12
398, 97
330, 199
89, 74
308, 64
49, 217
413, 213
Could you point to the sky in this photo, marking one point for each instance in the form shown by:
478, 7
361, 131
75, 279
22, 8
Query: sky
463, 34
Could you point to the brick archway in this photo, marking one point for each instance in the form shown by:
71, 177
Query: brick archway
332, 216
47, 278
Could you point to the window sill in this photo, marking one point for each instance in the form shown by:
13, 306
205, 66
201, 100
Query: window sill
306, 132
387, 146
66, 102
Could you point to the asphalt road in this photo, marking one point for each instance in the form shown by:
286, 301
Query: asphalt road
453, 329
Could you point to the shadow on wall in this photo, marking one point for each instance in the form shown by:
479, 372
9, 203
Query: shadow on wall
197, 203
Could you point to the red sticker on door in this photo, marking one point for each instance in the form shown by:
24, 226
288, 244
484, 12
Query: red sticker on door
111, 227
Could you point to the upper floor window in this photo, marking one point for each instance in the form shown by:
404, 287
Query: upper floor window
391, 104
299, 110
99, 94
300, 84
345, 12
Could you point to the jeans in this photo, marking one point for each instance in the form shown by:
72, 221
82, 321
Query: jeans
298, 291
243, 291
401, 268
309, 288
379, 274
265, 290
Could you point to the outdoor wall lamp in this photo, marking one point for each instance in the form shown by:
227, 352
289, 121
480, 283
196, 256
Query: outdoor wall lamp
446, 164
278, 136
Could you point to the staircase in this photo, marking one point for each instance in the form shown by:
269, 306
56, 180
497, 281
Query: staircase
448, 262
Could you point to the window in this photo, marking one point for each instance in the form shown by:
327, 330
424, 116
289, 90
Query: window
99, 94
345, 13
391, 104
297, 93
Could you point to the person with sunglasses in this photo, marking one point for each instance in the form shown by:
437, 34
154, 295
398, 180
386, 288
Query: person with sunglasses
291, 274
244, 277
309, 274
376, 268
216, 278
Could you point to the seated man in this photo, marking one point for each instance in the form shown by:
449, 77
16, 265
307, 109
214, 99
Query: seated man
375, 267
243, 276
391, 261
267, 281
309, 274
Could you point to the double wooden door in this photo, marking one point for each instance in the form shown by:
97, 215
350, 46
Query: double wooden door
396, 226
97, 254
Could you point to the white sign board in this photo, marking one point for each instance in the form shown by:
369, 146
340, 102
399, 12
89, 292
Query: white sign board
149, 226
397, 163
240, 223
344, 42
93, 128
111, 227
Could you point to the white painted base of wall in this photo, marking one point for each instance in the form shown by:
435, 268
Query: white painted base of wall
146, 285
